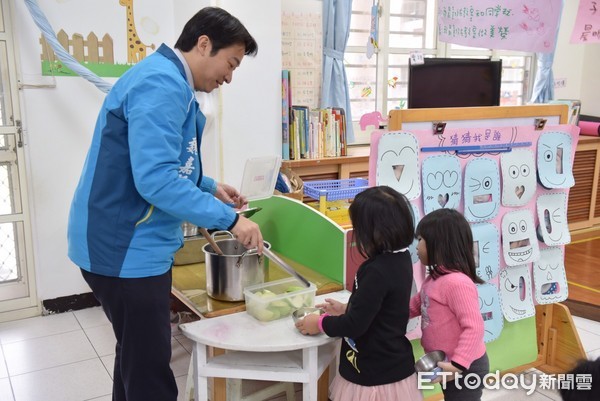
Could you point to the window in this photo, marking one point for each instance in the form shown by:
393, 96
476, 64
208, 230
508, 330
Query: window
381, 82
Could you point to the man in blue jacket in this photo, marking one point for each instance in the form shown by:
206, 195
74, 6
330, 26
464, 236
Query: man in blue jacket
141, 179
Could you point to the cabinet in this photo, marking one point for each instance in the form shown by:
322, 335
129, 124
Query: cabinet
584, 198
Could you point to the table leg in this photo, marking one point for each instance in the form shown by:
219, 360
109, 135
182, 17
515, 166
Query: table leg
219, 388
310, 364
323, 386
200, 382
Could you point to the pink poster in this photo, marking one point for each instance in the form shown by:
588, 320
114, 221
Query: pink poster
525, 25
587, 24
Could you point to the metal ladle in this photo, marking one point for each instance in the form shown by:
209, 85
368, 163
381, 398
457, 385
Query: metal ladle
275, 258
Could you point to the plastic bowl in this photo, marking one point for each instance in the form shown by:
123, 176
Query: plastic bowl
303, 312
428, 363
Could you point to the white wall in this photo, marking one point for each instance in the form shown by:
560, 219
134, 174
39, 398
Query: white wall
58, 122
577, 63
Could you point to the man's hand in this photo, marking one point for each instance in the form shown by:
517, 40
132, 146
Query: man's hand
230, 195
248, 234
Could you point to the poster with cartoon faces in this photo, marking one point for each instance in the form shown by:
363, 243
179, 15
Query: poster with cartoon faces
515, 292
519, 242
549, 277
553, 229
412, 248
486, 250
491, 311
442, 183
519, 182
554, 164
398, 163
482, 190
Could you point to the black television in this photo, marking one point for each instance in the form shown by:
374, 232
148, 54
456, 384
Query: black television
454, 82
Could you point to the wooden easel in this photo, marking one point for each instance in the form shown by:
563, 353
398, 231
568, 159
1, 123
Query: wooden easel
559, 346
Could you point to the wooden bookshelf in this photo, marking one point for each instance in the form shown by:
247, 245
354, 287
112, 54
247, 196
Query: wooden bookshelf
355, 165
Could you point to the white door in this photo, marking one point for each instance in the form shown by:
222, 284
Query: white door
17, 283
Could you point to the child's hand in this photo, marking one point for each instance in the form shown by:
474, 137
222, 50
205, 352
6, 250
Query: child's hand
446, 367
309, 325
333, 307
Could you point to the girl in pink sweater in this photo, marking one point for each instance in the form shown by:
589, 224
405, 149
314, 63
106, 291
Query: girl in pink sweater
448, 303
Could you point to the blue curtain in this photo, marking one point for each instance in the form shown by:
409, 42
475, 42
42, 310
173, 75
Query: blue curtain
334, 86
543, 86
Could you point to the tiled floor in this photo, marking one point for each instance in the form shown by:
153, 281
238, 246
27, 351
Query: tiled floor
69, 357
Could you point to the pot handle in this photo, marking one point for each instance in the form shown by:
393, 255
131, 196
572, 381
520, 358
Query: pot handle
248, 252
222, 232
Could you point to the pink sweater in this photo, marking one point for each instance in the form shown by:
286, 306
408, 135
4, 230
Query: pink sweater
450, 317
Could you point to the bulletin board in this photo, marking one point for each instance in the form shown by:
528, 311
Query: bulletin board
302, 49
519, 340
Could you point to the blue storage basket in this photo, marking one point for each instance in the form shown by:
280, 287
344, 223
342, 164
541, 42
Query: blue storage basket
335, 189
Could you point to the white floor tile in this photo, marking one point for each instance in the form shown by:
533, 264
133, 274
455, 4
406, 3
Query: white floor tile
586, 324
102, 338
35, 327
91, 317
187, 343
3, 369
47, 352
181, 383
590, 341
103, 398
73, 382
593, 355
109, 363
180, 359
6, 393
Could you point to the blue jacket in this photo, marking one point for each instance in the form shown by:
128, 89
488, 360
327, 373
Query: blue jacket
143, 176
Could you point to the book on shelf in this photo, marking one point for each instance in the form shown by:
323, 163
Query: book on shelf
286, 103
316, 133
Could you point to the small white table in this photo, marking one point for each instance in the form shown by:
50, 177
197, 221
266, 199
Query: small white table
273, 351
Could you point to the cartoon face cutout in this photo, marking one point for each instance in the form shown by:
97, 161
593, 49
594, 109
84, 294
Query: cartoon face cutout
414, 322
549, 277
519, 243
482, 190
491, 311
518, 177
515, 291
486, 250
442, 183
555, 168
398, 163
412, 248
552, 216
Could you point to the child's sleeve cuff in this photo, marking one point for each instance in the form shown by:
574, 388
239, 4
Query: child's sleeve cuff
321, 321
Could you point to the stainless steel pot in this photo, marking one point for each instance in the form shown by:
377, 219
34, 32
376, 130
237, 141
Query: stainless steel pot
227, 275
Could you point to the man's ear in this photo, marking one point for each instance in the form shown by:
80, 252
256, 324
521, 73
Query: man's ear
203, 44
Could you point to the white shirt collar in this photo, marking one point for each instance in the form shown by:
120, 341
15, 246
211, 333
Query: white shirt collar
186, 67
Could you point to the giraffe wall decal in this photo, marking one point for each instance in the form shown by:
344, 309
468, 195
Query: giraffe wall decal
136, 50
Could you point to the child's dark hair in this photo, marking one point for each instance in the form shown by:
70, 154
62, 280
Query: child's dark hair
449, 241
575, 392
382, 220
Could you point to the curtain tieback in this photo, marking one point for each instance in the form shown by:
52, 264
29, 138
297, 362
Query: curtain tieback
335, 54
